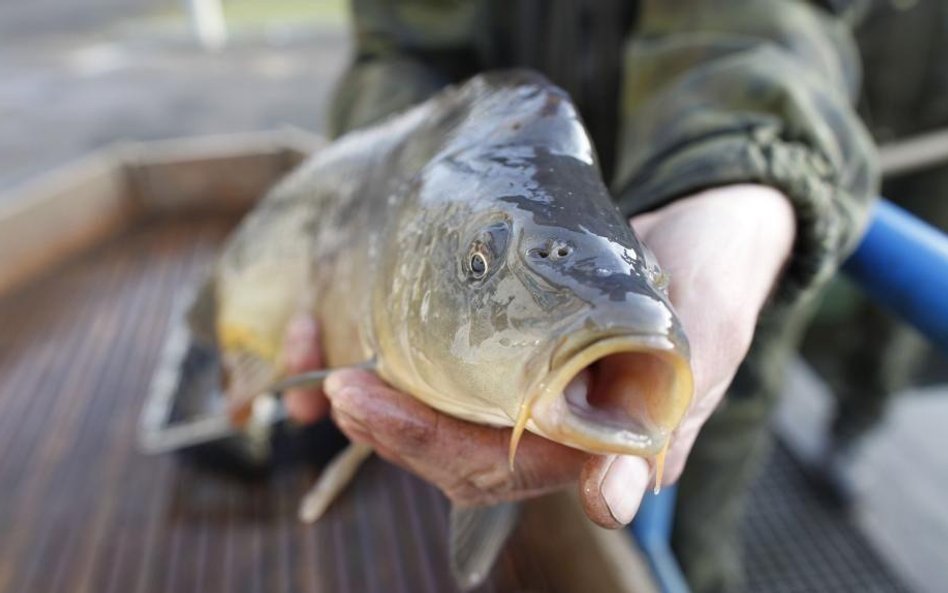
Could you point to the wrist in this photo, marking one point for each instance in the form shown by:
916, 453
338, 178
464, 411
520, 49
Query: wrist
755, 230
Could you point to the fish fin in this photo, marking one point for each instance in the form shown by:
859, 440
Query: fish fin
477, 536
315, 379
201, 314
518, 429
244, 377
334, 479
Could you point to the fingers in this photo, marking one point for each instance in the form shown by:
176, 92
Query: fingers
302, 354
683, 439
611, 488
361, 400
467, 461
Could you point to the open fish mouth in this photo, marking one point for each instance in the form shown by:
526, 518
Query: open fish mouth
622, 395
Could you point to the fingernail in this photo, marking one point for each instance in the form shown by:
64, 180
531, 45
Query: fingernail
623, 487
343, 397
343, 412
332, 385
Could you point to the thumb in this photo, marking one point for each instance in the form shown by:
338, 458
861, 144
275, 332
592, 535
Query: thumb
302, 353
611, 488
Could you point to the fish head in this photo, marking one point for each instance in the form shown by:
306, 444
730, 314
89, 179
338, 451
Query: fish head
617, 375
517, 294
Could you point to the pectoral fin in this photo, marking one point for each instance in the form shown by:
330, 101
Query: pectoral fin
315, 379
201, 313
477, 536
333, 481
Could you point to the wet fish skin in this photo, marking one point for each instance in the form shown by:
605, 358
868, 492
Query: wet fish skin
383, 237
469, 247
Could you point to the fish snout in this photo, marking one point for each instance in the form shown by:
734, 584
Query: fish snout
635, 313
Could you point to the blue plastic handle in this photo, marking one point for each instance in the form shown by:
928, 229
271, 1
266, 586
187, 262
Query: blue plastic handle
652, 531
902, 263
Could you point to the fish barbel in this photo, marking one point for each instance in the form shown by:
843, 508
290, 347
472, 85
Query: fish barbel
470, 247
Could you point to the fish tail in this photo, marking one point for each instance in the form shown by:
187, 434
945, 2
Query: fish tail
332, 481
245, 376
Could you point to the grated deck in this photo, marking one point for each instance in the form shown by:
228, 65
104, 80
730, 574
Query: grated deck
795, 542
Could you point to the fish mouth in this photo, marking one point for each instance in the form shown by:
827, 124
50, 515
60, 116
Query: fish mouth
623, 394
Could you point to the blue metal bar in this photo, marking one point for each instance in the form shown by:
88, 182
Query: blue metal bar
652, 531
902, 263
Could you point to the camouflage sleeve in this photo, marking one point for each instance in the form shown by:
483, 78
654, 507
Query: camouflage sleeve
405, 51
721, 92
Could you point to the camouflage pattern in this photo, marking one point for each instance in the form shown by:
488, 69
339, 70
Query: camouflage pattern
678, 96
865, 354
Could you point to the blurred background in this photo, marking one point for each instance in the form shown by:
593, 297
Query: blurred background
76, 75
79, 75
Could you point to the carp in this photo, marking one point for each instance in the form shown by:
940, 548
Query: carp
470, 250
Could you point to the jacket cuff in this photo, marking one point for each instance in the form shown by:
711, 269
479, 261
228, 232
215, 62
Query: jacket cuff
829, 220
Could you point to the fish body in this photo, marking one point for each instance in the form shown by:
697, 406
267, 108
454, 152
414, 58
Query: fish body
470, 247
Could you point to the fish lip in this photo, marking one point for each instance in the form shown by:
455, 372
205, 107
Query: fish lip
553, 418
565, 352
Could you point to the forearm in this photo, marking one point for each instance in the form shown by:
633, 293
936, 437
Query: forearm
724, 92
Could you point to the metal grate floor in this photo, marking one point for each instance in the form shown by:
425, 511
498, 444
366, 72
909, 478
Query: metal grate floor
796, 543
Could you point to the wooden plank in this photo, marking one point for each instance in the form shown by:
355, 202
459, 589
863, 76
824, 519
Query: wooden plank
73, 208
227, 173
60, 214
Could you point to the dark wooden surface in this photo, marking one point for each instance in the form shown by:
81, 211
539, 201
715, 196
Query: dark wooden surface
81, 510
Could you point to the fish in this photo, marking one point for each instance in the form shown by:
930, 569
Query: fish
470, 251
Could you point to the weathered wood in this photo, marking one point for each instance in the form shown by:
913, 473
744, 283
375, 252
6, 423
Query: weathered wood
61, 214
71, 209
215, 173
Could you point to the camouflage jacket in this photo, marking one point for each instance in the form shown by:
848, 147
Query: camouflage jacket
678, 95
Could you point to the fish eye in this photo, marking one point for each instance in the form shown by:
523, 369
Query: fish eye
478, 265
486, 252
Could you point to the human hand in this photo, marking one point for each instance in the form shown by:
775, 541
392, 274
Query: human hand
301, 354
723, 250
467, 461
